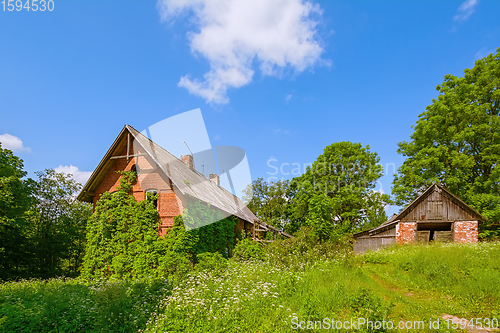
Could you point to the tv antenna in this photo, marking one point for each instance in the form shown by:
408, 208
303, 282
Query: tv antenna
188, 148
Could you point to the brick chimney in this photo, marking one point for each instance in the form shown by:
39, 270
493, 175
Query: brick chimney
214, 178
188, 160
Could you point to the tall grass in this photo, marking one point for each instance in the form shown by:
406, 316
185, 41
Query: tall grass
297, 279
469, 272
259, 296
70, 305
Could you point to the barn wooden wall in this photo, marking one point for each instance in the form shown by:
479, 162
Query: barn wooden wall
437, 206
373, 243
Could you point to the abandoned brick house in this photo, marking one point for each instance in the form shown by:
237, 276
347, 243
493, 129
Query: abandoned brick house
436, 215
174, 180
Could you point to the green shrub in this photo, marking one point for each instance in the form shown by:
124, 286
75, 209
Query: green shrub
209, 261
248, 249
306, 248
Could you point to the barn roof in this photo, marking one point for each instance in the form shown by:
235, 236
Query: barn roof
437, 187
396, 218
188, 181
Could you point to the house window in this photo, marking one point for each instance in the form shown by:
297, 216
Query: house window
153, 195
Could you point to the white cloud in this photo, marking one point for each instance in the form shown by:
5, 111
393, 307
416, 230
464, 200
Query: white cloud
234, 34
288, 97
217, 137
79, 176
281, 131
13, 143
465, 10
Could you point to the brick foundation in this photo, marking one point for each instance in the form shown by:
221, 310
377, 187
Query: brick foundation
405, 232
466, 231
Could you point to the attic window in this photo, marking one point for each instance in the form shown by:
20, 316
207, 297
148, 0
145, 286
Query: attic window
153, 192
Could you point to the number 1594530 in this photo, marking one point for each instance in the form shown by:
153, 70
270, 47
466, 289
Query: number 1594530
27, 5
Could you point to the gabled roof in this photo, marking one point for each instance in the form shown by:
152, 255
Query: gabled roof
396, 218
187, 181
459, 202
389, 221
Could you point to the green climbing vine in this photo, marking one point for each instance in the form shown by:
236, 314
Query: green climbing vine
209, 236
123, 240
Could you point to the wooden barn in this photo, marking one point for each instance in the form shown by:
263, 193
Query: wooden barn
436, 215
175, 180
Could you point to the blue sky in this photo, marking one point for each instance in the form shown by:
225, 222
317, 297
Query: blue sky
281, 79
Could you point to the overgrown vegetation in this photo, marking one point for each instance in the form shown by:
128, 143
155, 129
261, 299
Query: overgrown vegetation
299, 278
123, 239
207, 235
71, 305
467, 273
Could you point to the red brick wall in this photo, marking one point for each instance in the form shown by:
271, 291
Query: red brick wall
466, 231
405, 232
169, 205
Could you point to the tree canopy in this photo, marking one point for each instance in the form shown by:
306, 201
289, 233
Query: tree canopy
56, 224
14, 201
269, 201
334, 196
456, 141
42, 227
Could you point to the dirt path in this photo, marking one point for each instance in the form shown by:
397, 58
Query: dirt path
409, 304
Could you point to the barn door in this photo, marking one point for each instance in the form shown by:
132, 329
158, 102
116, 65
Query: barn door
422, 236
443, 236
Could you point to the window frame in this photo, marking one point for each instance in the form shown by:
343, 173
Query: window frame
154, 191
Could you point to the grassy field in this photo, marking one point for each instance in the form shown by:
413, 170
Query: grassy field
291, 289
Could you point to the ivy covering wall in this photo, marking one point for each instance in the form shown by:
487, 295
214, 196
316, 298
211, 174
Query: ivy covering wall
123, 239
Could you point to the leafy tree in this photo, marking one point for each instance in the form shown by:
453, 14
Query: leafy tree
269, 201
335, 194
320, 216
15, 252
456, 141
57, 224
123, 240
